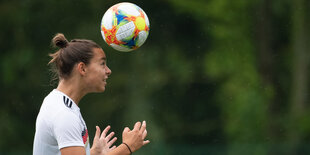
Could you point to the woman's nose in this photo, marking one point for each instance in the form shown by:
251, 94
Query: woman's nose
108, 70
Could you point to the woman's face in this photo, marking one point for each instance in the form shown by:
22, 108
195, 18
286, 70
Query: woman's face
97, 72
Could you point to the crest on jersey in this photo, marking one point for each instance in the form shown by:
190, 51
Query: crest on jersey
85, 137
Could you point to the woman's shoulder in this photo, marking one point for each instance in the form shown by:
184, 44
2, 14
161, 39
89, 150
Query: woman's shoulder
57, 105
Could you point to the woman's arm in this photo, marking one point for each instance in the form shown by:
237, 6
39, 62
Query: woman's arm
133, 140
101, 145
73, 150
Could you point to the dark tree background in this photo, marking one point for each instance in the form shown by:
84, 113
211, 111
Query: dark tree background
214, 77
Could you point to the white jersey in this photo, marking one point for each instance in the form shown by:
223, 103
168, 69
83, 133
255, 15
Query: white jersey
59, 124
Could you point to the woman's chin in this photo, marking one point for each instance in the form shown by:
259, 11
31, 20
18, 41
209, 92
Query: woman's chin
102, 89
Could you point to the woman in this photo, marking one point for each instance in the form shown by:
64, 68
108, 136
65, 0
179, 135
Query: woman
60, 129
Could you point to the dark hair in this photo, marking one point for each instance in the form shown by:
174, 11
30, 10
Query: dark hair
69, 54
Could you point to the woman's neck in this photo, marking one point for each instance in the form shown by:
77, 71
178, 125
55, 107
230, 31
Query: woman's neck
71, 88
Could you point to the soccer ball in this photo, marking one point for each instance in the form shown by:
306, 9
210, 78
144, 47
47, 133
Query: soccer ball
125, 26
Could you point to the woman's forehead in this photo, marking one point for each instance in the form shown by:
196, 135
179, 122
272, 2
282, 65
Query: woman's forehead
99, 54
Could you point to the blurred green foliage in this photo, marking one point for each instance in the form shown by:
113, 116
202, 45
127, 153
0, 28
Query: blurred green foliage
214, 77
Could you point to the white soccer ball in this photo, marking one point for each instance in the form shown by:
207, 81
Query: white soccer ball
125, 26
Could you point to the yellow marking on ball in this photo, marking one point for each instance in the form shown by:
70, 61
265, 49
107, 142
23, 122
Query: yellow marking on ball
140, 23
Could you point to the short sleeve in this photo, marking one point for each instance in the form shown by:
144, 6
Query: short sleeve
68, 130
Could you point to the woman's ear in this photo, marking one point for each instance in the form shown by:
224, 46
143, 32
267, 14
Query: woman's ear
81, 68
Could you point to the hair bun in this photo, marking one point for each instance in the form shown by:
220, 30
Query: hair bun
60, 41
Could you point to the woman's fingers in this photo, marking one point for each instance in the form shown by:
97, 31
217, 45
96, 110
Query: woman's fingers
112, 148
137, 126
109, 136
105, 131
144, 134
146, 142
143, 127
126, 130
110, 143
97, 132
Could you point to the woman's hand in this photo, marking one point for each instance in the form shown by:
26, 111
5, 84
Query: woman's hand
135, 138
102, 143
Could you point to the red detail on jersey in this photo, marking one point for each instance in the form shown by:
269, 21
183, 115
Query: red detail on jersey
85, 135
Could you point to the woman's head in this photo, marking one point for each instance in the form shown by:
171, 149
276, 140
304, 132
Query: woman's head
85, 56
70, 53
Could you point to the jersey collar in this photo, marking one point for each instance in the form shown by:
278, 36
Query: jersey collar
67, 101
